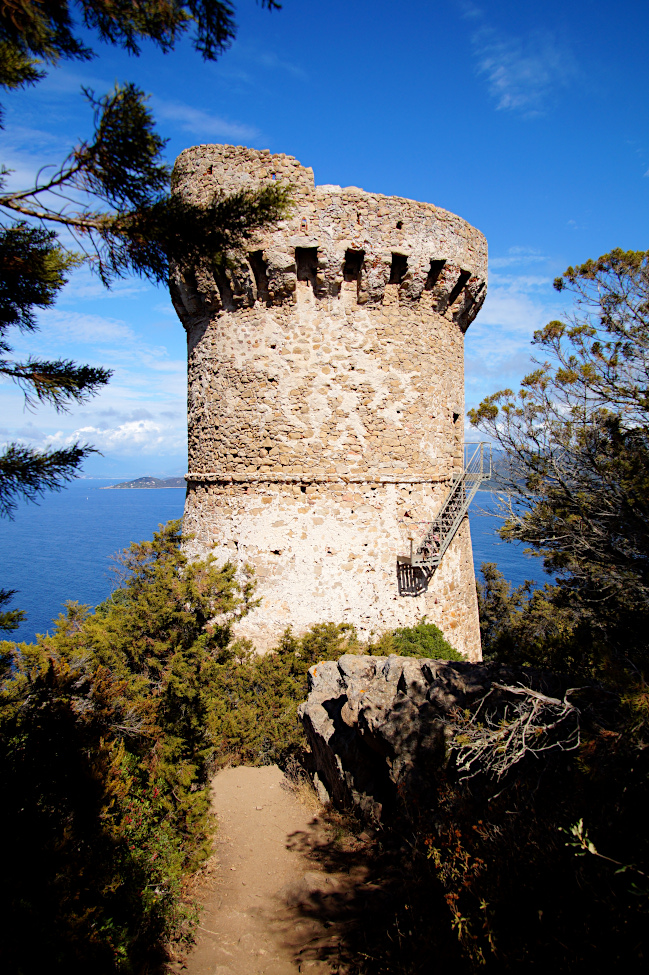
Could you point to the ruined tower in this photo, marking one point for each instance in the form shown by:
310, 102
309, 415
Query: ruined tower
326, 399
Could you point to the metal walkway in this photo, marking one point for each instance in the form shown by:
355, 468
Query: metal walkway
415, 571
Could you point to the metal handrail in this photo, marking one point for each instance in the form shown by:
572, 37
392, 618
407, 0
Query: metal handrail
444, 527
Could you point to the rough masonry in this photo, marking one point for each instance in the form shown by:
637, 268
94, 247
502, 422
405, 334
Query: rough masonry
326, 398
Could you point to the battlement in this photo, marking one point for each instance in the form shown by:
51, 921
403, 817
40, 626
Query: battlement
376, 249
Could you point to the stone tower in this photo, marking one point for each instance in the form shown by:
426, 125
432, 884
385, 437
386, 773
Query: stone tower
326, 399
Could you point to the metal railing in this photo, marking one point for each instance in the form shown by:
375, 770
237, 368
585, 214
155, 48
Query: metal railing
414, 571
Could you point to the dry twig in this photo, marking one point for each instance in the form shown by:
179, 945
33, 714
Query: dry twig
493, 740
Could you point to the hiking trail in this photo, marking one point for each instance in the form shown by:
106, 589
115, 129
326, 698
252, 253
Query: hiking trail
261, 898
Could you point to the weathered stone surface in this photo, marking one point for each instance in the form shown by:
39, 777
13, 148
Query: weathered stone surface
325, 398
380, 727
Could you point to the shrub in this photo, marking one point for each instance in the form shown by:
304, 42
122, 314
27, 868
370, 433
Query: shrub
105, 758
255, 698
423, 640
109, 732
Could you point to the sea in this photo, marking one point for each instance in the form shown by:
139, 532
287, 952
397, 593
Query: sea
63, 547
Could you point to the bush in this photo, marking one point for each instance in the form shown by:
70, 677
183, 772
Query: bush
534, 627
98, 857
422, 640
105, 758
109, 733
255, 698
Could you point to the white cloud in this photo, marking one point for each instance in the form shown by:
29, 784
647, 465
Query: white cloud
201, 123
498, 345
108, 419
142, 436
84, 285
160, 363
26, 150
142, 407
71, 326
523, 73
512, 308
517, 256
167, 310
241, 66
270, 60
64, 80
29, 433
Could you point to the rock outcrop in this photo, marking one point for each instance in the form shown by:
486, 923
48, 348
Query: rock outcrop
383, 729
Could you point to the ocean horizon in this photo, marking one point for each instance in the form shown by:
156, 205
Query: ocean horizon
63, 548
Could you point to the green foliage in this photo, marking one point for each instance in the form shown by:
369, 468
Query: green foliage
10, 619
17, 69
32, 270
497, 871
422, 640
576, 446
26, 473
111, 194
511, 857
121, 164
31, 33
256, 697
106, 751
576, 439
171, 235
110, 730
542, 869
98, 859
533, 627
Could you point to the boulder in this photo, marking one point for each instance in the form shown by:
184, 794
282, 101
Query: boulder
383, 729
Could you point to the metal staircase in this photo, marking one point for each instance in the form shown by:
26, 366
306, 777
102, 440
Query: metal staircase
415, 571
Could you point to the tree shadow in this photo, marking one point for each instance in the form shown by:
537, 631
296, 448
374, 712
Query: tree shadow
372, 903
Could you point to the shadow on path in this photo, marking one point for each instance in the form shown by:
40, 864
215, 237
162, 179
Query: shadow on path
373, 898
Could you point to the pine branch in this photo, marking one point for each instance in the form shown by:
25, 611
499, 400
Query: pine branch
10, 619
57, 381
27, 474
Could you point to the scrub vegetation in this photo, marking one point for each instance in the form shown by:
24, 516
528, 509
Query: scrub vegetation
110, 730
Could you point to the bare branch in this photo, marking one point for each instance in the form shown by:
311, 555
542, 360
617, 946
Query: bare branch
491, 741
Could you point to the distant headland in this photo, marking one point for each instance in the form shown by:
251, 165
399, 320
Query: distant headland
148, 482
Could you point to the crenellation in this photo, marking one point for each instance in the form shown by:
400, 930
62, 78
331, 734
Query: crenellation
325, 391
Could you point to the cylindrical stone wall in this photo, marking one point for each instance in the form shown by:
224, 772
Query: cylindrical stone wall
326, 399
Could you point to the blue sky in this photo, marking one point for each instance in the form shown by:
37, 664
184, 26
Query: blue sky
530, 121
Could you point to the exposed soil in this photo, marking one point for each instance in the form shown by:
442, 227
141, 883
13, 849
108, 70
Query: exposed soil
258, 916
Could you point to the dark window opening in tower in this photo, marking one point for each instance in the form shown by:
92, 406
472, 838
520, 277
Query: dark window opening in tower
259, 269
436, 268
456, 417
459, 286
225, 289
398, 268
306, 261
353, 264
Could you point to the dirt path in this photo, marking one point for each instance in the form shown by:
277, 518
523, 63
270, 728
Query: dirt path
257, 918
